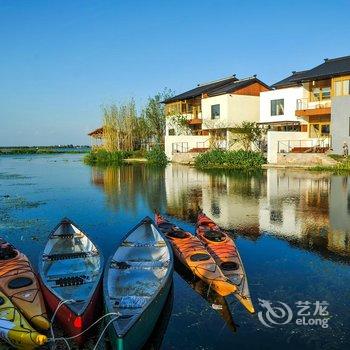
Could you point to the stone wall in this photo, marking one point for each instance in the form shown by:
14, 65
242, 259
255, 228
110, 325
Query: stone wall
311, 159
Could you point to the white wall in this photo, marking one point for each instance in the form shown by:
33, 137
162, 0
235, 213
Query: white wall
234, 109
290, 96
340, 119
274, 136
190, 139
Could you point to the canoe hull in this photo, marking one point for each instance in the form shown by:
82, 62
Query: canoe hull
139, 333
28, 297
72, 323
225, 252
184, 248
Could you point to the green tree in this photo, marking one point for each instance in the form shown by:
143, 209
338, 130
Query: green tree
154, 114
248, 134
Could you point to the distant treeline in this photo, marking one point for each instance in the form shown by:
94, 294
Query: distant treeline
43, 150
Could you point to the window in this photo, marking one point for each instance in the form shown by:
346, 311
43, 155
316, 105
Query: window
341, 86
320, 90
215, 111
346, 87
171, 132
277, 107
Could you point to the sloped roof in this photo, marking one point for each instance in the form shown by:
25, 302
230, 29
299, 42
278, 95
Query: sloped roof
218, 87
201, 89
289, 81
329, 68
236, 85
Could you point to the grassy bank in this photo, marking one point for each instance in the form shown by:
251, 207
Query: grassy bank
342, 167
102, 157
221, 159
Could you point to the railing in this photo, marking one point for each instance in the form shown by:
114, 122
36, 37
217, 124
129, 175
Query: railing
221, 144
304, 146
180, 147
304, 103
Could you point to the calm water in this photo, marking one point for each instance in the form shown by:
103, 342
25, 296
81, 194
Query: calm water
292, 230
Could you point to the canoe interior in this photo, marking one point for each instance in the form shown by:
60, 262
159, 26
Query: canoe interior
71, 265
137, 271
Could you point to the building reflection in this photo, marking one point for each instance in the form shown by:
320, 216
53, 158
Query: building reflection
310, 210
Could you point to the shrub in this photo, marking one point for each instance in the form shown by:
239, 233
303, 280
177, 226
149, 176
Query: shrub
157, 156
103, 157
241, 159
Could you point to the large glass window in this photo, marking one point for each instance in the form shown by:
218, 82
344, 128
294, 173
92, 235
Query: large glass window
346, 87
277, 107
341, 86
215, 111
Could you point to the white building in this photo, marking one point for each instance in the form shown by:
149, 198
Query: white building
208, 113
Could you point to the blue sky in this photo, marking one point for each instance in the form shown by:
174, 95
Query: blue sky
60, 61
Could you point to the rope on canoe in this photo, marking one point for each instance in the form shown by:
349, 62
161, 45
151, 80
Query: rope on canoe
65, 339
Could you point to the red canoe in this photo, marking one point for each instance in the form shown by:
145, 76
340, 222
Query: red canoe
224, 251
70, 269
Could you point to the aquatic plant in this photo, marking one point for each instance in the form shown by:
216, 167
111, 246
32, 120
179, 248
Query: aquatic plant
245, 160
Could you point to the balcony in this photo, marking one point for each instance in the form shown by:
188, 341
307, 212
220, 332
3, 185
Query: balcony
306, 108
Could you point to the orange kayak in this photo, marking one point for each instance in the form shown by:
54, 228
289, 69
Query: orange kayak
19, 283
192, 253
224, 251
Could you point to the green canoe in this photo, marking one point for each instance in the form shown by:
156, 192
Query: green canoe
137, 282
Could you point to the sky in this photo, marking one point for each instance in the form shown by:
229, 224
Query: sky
62, 60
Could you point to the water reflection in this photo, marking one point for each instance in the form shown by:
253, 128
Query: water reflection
216, 301
310, 210
124, 185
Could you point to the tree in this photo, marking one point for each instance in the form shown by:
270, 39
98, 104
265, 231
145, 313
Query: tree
248, 134
154, 114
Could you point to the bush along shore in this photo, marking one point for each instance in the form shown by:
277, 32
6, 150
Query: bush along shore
222, 159
155, 157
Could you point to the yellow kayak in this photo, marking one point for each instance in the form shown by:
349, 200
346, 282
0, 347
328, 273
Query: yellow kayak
15, 330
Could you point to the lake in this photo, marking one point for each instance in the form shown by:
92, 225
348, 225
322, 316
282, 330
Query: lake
292, 230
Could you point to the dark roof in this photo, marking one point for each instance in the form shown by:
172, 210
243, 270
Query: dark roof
236, 85
329, 68
201, 89
289, 81
219, 87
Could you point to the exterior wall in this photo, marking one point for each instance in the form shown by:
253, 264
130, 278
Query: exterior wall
170, 124
274, 136
191, 141
290, 96
234, 109
340, 122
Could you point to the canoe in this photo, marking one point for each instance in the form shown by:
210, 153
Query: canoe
224, 251
70, 270
193, 254
137, 281
15, 329
19, 282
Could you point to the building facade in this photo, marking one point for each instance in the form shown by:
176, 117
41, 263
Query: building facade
207, 115
320, 99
